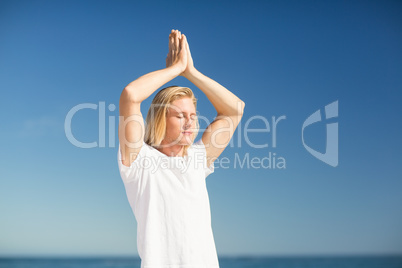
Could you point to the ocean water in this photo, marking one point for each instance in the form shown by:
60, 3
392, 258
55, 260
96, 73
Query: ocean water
225, 262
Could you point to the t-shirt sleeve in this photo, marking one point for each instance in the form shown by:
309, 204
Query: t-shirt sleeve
201, 148
132, 172
132, 175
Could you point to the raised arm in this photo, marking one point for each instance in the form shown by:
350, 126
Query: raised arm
228, 106
131, 123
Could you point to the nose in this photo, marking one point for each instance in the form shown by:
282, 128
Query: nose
188, 122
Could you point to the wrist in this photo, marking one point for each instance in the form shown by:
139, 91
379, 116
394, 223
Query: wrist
190, 72
176, 69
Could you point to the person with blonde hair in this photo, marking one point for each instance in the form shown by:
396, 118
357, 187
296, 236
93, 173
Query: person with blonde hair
164, 170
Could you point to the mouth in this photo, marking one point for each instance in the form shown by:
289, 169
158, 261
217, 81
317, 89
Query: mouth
187, 132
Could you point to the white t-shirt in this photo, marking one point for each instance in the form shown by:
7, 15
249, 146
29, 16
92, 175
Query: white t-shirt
169, 198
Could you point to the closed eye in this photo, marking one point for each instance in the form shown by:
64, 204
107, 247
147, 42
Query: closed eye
193, 116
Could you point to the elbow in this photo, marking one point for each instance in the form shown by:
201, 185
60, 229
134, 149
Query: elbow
241, 106
129, 96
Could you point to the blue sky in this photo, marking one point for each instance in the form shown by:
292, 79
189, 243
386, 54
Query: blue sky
282, 58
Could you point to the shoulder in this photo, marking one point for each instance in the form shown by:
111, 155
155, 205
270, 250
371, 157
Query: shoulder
200, 155
145, 150
198, 144
198, 149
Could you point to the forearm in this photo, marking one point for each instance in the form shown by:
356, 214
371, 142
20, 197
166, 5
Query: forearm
143, 87
224, 101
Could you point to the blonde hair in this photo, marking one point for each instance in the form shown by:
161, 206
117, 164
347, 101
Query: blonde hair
155, 129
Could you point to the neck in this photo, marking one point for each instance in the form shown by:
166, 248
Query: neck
171, 151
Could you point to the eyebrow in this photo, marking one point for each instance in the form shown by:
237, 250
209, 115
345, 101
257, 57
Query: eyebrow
185, 113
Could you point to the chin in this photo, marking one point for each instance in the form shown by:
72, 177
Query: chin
186, 141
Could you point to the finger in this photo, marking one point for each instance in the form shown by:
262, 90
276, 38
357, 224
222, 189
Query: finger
171, 42
188, 47
184, 40
176, 41
183, 43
